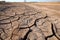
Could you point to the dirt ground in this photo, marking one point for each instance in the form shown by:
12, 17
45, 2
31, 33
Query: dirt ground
29, 21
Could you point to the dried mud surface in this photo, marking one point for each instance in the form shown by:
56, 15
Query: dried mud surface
21, 22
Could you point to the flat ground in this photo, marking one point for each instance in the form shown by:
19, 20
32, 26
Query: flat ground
30, 21
50, 7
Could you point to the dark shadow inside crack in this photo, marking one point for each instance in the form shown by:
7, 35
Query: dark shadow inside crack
53, 31
25, 37
46, 38
0, 37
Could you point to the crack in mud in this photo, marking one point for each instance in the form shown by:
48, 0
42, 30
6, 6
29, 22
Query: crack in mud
25, 37
17, 17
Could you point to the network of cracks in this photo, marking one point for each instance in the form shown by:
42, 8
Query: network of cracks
27, 23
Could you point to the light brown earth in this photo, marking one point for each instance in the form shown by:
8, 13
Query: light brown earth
30, 21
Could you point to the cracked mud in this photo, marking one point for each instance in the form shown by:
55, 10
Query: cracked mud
26, 23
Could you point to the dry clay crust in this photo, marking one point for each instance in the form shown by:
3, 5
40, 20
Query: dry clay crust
26, 23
